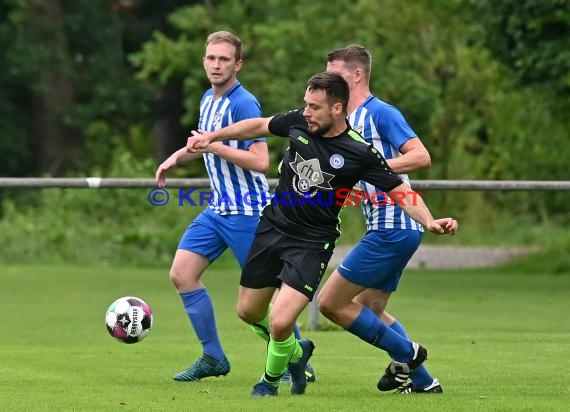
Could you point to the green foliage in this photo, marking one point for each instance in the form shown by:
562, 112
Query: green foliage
101, 226
108, 101
429, 60
553, 259
531, 37
16, 153
484, 84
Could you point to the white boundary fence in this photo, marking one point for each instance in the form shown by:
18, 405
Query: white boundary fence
98, 182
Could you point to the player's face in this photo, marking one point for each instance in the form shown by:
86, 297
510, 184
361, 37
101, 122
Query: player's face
220, 64
318, 112
338, 66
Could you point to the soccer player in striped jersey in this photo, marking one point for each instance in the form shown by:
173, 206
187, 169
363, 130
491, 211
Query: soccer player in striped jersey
392, 236
239, 193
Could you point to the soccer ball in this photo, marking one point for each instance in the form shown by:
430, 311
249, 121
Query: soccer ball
129, 319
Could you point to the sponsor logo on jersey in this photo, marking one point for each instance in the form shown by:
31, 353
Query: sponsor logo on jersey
303, 139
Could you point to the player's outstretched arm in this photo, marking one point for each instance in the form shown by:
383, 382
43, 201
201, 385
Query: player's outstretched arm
242, 130
176, 158
413, 204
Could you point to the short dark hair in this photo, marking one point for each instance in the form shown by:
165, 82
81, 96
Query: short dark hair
353, 55
334, 86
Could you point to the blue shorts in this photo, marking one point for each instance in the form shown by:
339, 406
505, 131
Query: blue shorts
210, 234
377, 261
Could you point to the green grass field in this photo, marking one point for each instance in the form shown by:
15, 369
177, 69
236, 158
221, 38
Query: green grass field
498, 340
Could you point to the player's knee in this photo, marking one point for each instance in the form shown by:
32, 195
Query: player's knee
247, 313
182, 280
176, 278
326, 306
281, 328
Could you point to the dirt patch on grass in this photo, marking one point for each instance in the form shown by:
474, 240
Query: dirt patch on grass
450, 257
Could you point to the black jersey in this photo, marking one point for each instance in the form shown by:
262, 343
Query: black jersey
316, 175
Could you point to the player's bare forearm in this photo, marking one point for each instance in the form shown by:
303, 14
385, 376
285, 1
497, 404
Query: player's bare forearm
176, 158
182, 156
242, 130
409, 163
413, 204
414, 157
255, 158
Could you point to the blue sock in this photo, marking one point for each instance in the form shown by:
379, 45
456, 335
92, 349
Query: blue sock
368, 327
296, 332
201, 313
420, 376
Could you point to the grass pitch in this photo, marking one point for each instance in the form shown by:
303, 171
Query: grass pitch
497, 340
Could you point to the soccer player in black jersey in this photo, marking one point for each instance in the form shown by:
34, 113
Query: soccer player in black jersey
297, 231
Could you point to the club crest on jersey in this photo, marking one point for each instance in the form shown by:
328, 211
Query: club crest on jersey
336, 161
216, 120
309, 175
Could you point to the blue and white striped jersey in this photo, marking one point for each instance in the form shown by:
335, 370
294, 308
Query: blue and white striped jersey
236, 191
384, 126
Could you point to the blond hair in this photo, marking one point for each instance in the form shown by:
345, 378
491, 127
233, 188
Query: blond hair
226, 37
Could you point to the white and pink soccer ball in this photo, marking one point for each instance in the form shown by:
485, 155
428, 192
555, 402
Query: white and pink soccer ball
129, 319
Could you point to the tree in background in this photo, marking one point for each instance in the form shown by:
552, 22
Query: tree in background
485, 84
70, 92
530, 37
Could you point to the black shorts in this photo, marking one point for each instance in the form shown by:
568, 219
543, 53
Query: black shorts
275, 258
